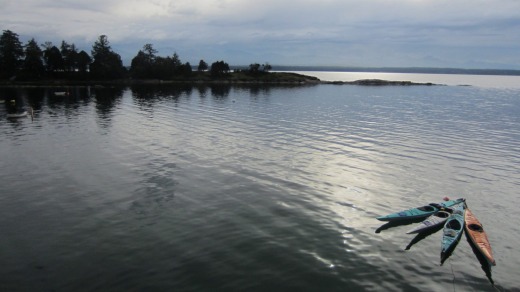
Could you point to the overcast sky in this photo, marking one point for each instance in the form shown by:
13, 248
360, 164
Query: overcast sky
368, 33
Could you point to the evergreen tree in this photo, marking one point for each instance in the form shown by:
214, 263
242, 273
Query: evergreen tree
139, 67
69, 54
149, 52
163, 68
52, 57
147, 65
144, 64
107, 64
203, 66
185, 69
254, 68
219, 69
33, 67
83, 61
176, 63
11, 54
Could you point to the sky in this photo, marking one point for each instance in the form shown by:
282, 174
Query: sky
483, 34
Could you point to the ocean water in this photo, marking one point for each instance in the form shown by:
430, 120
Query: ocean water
222, 188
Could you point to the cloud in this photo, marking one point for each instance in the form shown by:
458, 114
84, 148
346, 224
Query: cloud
326, 32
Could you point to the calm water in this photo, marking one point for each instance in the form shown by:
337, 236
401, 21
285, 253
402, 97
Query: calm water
254, 189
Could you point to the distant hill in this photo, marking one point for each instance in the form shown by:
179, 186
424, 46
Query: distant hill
399, 70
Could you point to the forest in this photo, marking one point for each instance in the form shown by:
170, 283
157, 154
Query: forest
34, 62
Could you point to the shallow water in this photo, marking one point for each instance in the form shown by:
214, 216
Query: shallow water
253, 188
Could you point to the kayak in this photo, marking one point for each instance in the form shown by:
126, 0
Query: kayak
420, 212
478, 236
17, 115
433, 221
452, 231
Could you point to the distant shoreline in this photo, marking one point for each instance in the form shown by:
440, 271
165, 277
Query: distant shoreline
272, 78
282, 76
404, 70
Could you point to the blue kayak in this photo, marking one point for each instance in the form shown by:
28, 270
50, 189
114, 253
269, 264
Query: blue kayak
452, 231
420, 212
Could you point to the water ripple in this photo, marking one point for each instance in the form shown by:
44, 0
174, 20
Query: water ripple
246, 189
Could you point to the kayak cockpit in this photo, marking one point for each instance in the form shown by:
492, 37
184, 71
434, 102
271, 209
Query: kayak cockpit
427, 208
453, 224
475, 227
442, 214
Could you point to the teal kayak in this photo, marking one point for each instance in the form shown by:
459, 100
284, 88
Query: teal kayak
452, 231
420, 212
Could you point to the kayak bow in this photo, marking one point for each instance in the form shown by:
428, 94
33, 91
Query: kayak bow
420, 212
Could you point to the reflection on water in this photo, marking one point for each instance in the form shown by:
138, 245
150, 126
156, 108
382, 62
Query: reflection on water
107, 100
484, 264
252, 188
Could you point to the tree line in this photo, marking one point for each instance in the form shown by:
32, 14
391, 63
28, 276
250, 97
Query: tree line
31, 61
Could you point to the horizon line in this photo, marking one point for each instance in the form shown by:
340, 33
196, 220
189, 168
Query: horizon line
426, 70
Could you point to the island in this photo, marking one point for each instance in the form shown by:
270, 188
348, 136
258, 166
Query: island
65, 65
